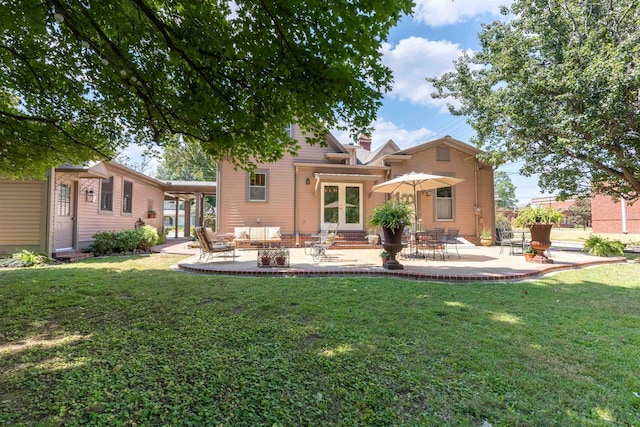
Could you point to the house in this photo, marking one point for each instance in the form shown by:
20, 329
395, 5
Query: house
610, 216
333, 183
63, 212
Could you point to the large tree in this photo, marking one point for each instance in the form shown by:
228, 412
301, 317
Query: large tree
186, 161
81, 79
558, 85
505, 190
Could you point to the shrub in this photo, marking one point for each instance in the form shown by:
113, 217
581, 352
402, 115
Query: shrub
24, 258
502, 222
109, 242
149, 237
601, 246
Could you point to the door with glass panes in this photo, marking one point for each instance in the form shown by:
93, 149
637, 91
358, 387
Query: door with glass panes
342, 204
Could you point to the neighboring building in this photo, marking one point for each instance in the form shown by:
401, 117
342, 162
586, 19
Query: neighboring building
609, 216
333, 184
63, 212
562, 206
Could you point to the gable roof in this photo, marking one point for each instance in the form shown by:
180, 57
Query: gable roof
447, 140
364, 156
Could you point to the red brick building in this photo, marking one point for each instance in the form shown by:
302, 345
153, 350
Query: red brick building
609, 216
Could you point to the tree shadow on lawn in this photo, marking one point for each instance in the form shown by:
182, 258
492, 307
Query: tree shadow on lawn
158, 347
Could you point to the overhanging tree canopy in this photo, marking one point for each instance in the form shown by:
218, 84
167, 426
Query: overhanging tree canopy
79, 80
558, 86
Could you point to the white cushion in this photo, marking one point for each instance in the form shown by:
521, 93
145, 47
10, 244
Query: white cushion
273, 232
257, 233
240, 233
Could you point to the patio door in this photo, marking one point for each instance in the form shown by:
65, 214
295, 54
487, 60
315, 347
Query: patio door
342, 204
64, 220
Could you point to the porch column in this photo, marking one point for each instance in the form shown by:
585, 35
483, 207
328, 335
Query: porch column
177, 217
187, 218
199, 209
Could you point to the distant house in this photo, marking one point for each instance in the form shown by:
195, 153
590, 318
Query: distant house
562, 206
333, 184
63, 212
609, 216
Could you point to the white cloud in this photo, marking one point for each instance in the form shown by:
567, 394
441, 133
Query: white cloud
404, 138
414, 59
446, 12
384, 131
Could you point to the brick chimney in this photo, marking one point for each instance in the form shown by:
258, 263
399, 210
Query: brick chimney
365, 142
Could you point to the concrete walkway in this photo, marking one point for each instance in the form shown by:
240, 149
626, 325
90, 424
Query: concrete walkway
476, 263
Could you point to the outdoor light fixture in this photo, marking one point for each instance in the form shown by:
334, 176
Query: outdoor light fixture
91, 196
308, 181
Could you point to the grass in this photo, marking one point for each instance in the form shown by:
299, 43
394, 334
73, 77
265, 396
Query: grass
578, 235
125, 341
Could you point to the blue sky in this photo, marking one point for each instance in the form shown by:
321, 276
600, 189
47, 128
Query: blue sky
425, 45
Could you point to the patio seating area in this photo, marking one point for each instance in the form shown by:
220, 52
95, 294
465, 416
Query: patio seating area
476, 263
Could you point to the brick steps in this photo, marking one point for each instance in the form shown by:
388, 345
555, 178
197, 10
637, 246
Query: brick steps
352, 240
71, 256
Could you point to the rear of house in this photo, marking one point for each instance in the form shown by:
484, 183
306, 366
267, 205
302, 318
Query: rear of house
333, 184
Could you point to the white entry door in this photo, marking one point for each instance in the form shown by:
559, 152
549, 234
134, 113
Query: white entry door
342, 204
64, 216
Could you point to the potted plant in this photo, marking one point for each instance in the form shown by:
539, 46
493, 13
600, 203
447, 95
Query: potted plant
384, 255
539, 220
529, 253
151, 213
265, 256
391, 217
486, 238
281, 257
372, 237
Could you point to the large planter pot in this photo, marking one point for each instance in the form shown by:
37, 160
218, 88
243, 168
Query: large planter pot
392, 243
541, 241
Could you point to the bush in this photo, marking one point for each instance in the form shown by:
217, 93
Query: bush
600, 246
502, 222
149, 238
24, 258
109, 242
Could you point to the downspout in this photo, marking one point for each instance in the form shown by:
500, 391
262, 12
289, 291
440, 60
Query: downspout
295, 205
46, 240
624, 215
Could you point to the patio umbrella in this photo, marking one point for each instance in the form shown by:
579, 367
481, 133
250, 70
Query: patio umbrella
412, 183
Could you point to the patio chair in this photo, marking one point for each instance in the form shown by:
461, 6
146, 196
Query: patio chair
451, 238
211, 246
510, 240
326, 239
434, 242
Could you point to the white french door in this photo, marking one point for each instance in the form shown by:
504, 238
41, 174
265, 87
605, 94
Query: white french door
342, 204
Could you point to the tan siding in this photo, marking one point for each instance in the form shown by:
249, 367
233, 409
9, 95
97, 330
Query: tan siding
278, 211
21, 213
461, 165
91, 220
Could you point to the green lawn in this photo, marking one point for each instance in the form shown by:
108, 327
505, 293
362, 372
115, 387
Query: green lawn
578, 234
126, 341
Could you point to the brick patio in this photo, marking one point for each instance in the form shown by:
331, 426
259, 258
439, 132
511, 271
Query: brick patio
477, 263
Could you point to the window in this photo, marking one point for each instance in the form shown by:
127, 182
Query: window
64, 200
257, 186
127, 197
444, 204
289, 130
443, 153
106, 194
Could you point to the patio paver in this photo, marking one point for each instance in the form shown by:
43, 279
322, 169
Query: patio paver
477, 263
